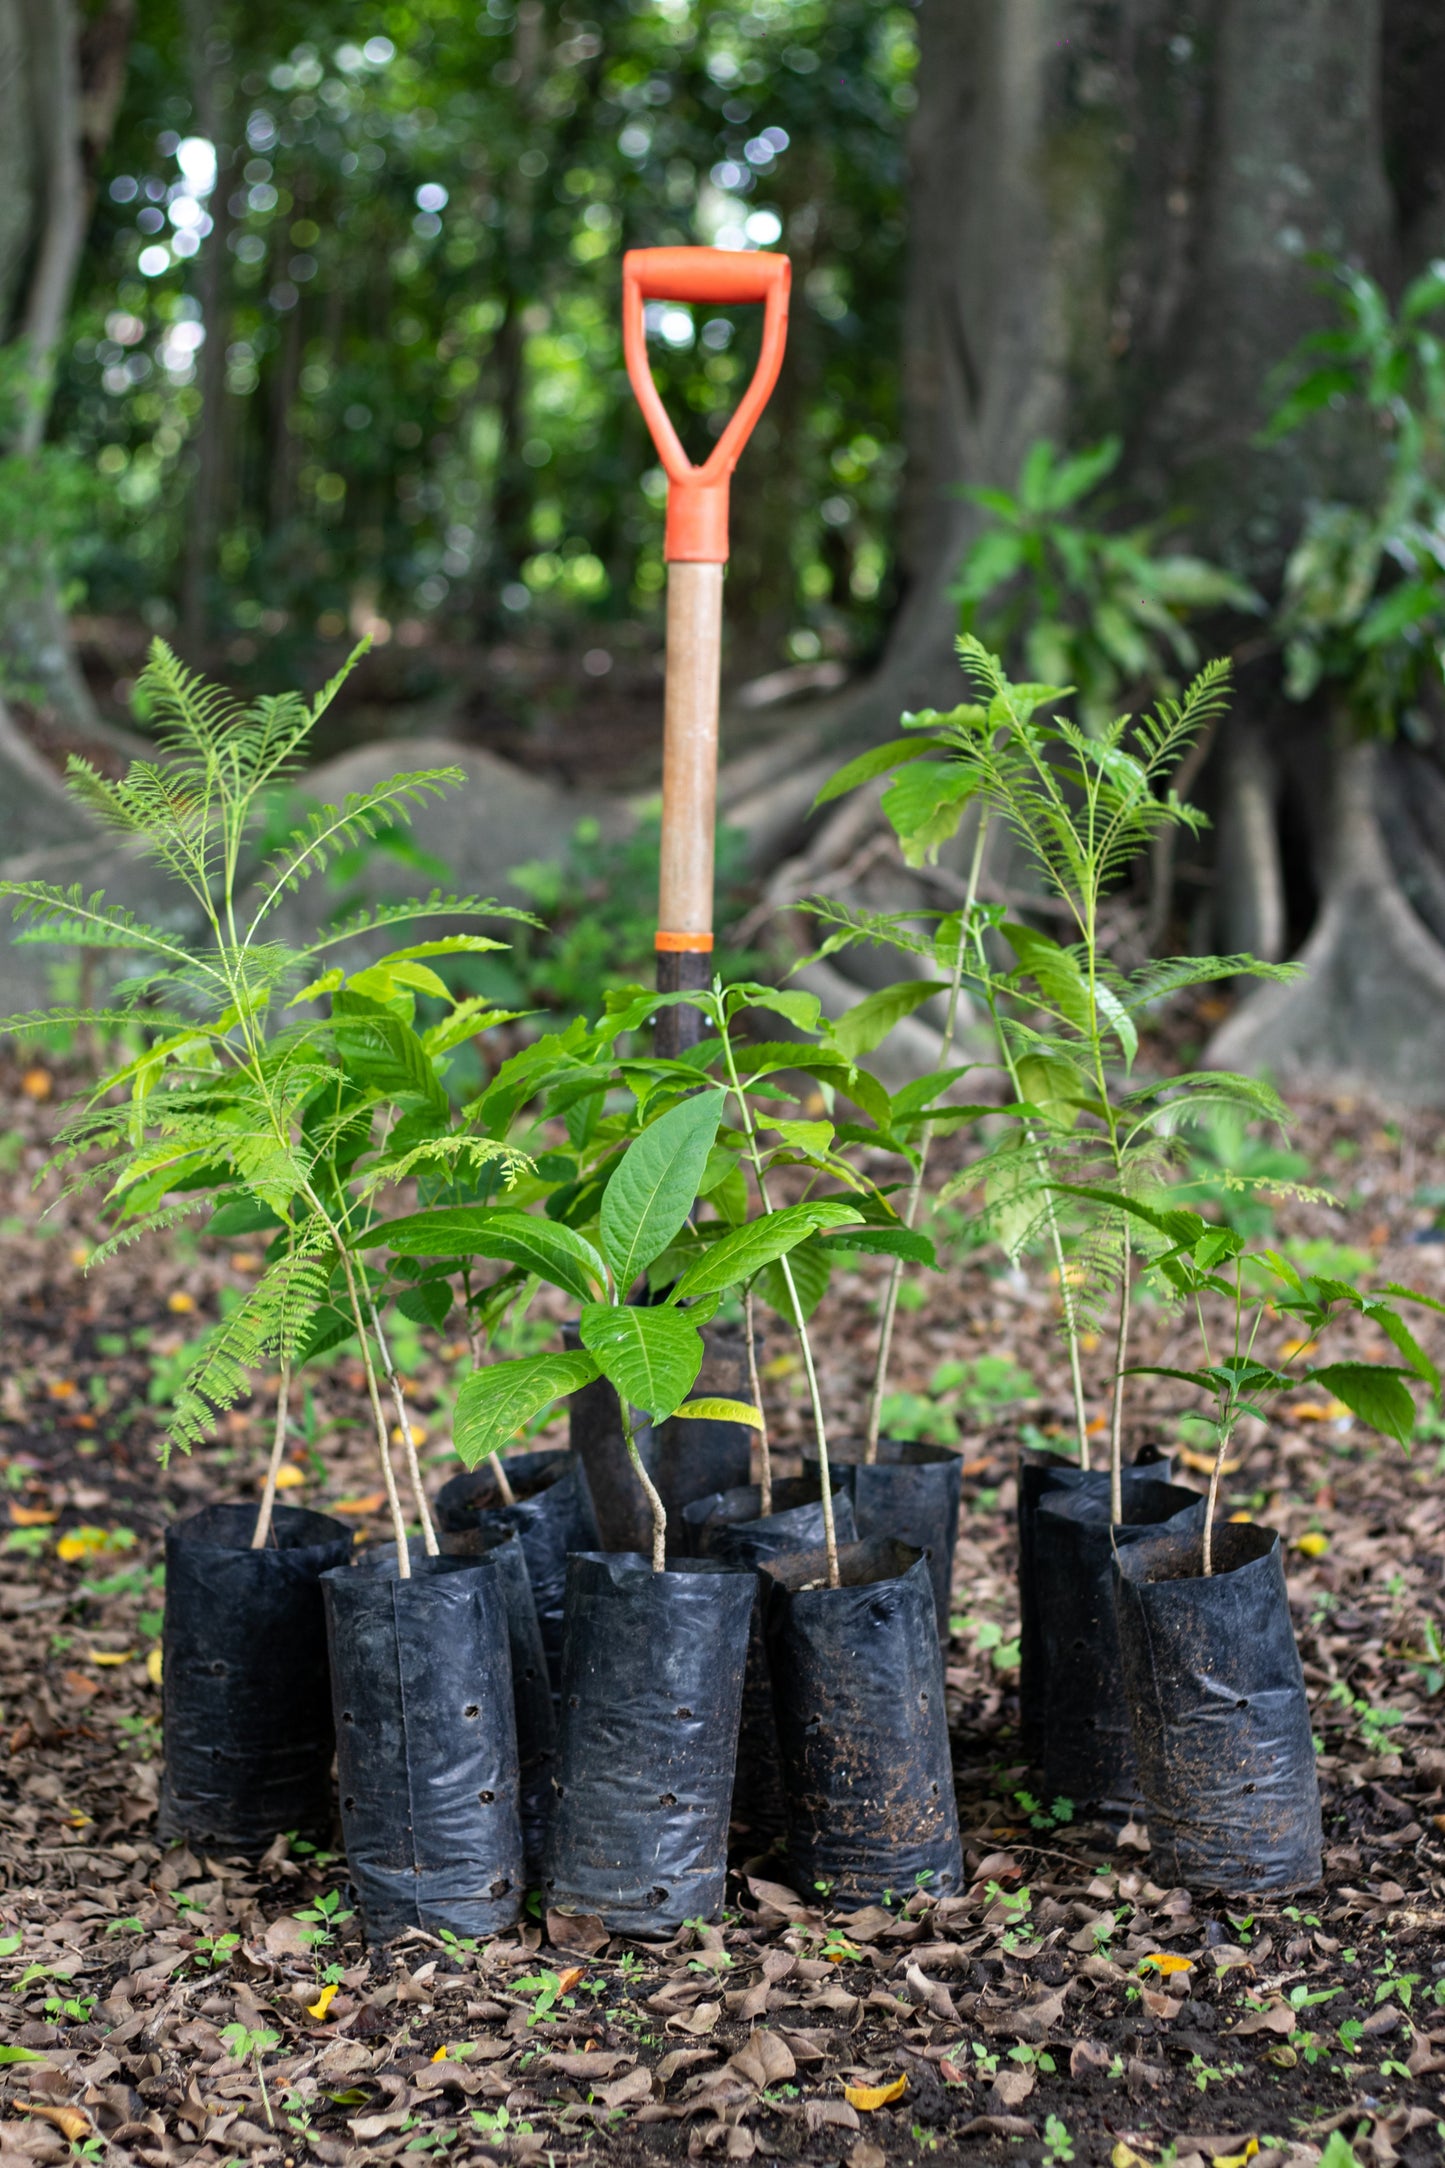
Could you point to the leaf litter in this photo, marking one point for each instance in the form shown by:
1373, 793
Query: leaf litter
164, 2008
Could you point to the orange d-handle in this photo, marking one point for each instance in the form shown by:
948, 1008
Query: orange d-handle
697, 497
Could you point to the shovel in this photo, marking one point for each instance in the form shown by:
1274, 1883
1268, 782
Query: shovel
696, 549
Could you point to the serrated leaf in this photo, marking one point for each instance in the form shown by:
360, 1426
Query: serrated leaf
739, 1256
655, 1185
1377, 1395
556, 1253
495, 1402
904, 1242
868, 1024
652, 1356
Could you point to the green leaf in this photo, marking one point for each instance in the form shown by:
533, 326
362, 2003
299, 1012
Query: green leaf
652, 1356
810, 1138
1404, 606
721, 1411
799, 1008
904, 1242
811, 1268
655, 1186
495, 1402
868, 1024
556, 1253
1376, 1394
738, 1257
430, 1303
10, 2054
896, 753
924, 806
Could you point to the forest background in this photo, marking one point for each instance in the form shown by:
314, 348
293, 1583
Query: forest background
310, 325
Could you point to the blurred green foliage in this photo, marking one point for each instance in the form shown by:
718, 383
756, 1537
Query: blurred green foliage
1364, 589
366, 365
1070, 604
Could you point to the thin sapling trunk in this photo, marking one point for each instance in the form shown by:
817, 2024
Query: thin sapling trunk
474, 1342
1116, 1425
428, 1532
765, 1456
383, 1442
650, 1490
278, 1446
915, 1191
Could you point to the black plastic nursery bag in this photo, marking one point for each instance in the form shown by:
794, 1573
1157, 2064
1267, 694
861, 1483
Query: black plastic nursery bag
651, 1695
246, 1693
501, 1550
1221, 1718
426, 1743
911, 1493
552, 1517
699, 1521
1087, 1744
858, 1689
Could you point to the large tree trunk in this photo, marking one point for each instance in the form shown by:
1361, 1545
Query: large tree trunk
1114, 210
60, 88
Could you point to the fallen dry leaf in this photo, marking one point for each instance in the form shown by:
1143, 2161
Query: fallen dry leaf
579, 1932
869, 2097
324, 2000
72, 2123
1011, 2088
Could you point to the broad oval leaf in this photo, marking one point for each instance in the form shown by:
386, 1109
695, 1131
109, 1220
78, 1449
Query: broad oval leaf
739, 1256
874, 1241
656, 1184
555, 1253
652, 1356
495, 1402
811, 1269
868, 1024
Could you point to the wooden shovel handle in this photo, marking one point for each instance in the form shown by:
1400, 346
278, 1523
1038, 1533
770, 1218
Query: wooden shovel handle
697, 497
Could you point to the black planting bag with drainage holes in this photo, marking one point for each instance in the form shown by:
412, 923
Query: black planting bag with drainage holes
1221, 1719
744, 1502
651, 1692
552, 1515
426, 1743
858, 1688
1088, 1746
911, 1492
246, 1694
501, 1550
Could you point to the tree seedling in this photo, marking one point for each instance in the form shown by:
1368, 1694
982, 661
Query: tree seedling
245, 2046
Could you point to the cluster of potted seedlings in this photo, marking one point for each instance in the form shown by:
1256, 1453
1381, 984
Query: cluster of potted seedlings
583, 1667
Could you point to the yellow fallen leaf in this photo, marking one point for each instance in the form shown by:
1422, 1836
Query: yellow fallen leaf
441, 2054
73, 2123
1097, 1425
62, 1389
37, 1084
1124, 2156
90, 1542
722, 1411
1236, 2160
781, 1366
1318, 1411
1165, 1961
180, 1302
153, 1666
1241, 1516
31, 1516
1314, 1545
869, 2097
567, 1979
418, 1434
371, 1503
1088, 1342
80, 1255
289, 1477
1292, 1348
245, 1261
1203, 1463
111, 1656
323, 2002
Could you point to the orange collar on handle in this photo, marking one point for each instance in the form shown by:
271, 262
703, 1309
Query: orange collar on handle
697, 498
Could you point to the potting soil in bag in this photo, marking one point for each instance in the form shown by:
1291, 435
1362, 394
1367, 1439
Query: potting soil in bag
858, 1689
1039, 1473
1087, 1745
552, 1516
911, 1493
501, 1549
426, 1743
247, 1699
758, 1784
1221, 1718
652, 1690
